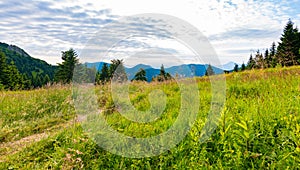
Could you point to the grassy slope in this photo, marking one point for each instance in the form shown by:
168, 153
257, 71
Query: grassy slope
259, 128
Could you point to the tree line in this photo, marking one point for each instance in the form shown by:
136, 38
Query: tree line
12, 79
286, 54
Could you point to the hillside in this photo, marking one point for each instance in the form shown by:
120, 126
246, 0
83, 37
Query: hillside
259, 127
25, 63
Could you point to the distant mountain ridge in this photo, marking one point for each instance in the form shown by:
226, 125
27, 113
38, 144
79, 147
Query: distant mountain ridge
33, 67
185, 70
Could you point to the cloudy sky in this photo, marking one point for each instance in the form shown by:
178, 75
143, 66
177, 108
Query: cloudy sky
234, 28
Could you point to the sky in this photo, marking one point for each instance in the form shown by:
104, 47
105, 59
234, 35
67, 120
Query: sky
233, 28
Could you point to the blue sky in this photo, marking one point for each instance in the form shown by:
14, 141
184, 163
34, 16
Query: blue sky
235, 28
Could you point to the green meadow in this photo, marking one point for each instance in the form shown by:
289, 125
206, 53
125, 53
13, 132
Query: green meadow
259, 126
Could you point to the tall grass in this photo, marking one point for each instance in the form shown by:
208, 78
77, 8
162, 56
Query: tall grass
259, 127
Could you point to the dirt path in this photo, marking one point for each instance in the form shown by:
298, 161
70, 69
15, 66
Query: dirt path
11, 148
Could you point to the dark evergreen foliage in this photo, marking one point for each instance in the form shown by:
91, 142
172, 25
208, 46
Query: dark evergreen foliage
286, 54
117, 70
29, 67
140, 75
65, 70
209, 71
236, 68
163, 75
10, 77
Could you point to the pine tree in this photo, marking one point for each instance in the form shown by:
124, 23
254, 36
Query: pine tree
46, 79
104, 75
288, 48
3, 66
251, 63
272, 57
236, 68
140, 75
117, 70
163, 75
65, 70
10, 77
243, 67
268, 59
209, 71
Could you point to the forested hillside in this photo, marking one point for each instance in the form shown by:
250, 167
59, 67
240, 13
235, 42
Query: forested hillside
35, 71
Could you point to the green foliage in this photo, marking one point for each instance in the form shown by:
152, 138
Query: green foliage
259, 127
104, 75
117, 70
140, 75
209, 71
243, 67
288, 48
163, 75
286, 54
10, 77
236, 68
27, 66
65, 70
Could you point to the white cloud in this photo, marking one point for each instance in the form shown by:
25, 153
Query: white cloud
44, 28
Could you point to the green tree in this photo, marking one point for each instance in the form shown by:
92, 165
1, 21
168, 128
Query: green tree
117, 70
251, 63
288, 49
259, 60
236, 68
65, 70
37, 81
46, 79
272, 57
3, 67
209, 71
104, 74
268, 59
140, 75
10, 77
243, 67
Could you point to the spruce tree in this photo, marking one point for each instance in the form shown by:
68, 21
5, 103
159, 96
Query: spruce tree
288, 48
243, 67
272, 57
259, 60
104, 75
140, 75
209, 71
251, 63
236, 68
65, 70
117, 70
162, 74
10, 77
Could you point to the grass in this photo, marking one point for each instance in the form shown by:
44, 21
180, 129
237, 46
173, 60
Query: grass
259, 127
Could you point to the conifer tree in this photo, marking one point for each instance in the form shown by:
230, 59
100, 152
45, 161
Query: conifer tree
10, 77
251, 63
288, 49
243, 67
104, 75
209, 71
236, 68
117, 70
65, 70
140, 75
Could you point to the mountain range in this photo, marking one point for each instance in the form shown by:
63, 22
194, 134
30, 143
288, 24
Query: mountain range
185, 70
33, 67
